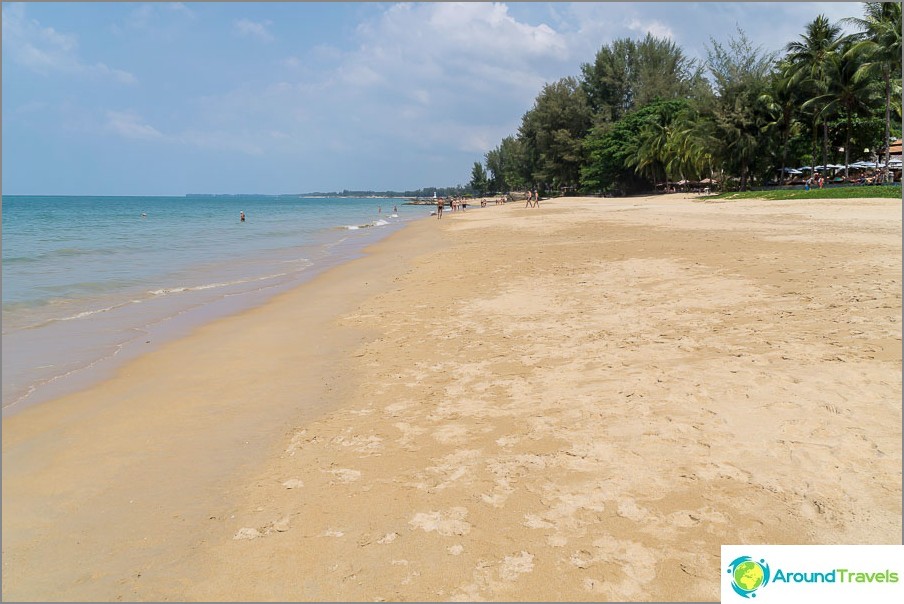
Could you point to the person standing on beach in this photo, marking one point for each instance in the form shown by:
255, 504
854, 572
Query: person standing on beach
439, 208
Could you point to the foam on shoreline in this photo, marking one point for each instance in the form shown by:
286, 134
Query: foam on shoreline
60, 355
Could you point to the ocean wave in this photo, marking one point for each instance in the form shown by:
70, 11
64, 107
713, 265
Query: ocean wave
96, 311
178, 290
73, 317
376, 223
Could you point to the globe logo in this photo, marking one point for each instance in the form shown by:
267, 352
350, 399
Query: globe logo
748, 575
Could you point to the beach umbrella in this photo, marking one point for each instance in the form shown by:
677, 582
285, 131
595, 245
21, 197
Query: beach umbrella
792, 171
806, 168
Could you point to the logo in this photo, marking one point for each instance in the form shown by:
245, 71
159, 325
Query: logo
748, 575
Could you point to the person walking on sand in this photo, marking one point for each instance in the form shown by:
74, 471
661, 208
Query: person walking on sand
536, 198
439, 208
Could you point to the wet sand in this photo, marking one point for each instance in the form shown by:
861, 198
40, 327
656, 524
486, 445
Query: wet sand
576, 402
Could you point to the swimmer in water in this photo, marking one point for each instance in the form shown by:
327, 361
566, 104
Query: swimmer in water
242, 216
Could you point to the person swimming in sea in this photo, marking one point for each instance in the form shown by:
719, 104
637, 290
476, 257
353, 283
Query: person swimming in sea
242, 216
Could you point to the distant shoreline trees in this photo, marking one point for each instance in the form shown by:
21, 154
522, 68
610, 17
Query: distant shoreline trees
643, 114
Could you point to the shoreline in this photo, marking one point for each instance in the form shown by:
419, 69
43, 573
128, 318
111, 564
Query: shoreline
80, 431
515, 404
137, 322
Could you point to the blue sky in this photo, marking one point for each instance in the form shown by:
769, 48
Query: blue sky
173, 98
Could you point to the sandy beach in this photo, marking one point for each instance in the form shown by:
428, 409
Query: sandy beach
580, 401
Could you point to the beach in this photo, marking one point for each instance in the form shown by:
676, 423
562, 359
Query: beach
580, 401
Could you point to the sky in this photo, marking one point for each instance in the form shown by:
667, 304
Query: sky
117, 98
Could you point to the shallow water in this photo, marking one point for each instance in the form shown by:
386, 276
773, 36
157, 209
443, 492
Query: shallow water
89, 281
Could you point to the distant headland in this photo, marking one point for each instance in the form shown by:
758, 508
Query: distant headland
425, 192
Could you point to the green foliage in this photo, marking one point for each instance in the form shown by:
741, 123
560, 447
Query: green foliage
847, 192
878, 49
506, 165
552, 133
627, 75
614, 151
741, 73
643, 114
479, 179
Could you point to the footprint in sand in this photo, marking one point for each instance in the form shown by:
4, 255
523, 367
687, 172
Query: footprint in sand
557, 541
278, 526
517, 565
247, 533
535, 521
581, 559
447, 523
345, 475
451, 434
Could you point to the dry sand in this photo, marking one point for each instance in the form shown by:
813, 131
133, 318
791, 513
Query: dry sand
576, 402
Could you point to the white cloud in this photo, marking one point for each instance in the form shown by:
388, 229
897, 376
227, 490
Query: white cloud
129, 124
428, 70
45, 50
252, 29
654, 28
442, 45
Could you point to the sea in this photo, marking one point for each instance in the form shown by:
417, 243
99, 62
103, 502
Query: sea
90, 282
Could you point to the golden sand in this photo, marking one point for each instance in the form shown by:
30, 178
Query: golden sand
576, 402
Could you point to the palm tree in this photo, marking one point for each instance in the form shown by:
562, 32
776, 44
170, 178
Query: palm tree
879, 47
812, 58
686, 147
668, 144
780, 104
647, 157
847, 95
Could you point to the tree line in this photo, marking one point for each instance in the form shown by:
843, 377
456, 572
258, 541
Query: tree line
643, 113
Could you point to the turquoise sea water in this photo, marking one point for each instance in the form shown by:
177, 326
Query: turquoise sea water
89, 281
